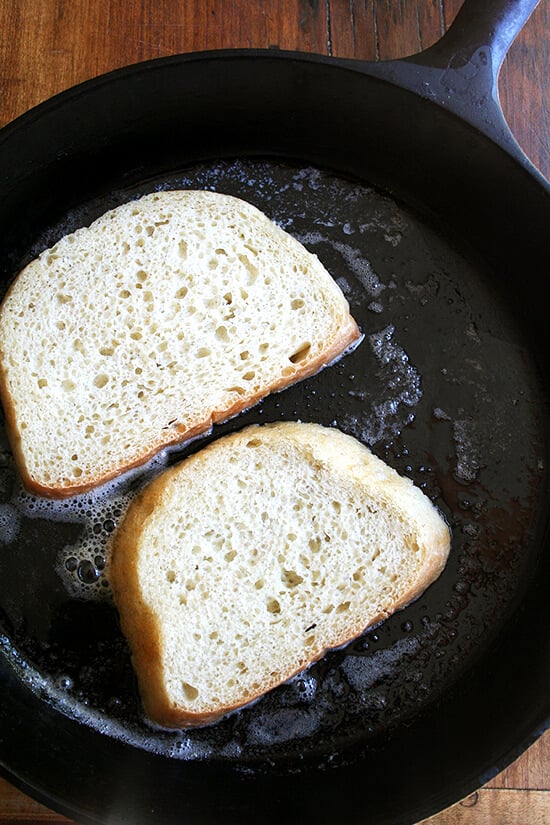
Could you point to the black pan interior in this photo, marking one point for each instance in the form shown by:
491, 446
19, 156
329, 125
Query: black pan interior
447, 387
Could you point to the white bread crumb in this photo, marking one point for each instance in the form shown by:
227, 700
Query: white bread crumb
167, 314
239, 567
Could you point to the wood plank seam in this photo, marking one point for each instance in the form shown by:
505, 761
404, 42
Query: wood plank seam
328, 29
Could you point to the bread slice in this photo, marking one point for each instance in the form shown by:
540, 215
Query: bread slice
167, 314
236, 569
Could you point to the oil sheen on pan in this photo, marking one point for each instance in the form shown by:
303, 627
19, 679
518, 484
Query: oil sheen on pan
441, 388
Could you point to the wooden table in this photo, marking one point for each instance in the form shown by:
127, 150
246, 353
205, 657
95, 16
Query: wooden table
48, 45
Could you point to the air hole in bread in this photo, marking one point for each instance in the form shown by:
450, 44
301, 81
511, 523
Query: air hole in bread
170, 576
254, 442
290, 578
222, 334
204, 352
68, 385
273, 606
190, 692
101, 380
301, 354
297, 303
252, 269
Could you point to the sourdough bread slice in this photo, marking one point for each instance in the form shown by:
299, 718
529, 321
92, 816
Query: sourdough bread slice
236, 569
167, 314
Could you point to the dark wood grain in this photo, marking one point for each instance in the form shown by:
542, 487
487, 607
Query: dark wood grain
47, 46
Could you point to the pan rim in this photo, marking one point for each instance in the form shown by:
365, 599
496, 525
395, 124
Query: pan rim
82, 88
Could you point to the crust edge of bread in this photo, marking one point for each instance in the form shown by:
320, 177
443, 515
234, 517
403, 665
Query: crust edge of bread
347, 338
156, 702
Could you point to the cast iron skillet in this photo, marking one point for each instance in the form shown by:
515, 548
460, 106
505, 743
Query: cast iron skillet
404, 178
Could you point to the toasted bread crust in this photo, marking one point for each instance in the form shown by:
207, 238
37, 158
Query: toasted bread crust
349, 335
75, 379
352, 465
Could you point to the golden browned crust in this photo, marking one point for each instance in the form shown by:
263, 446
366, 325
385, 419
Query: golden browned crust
348, 335
138, 622
141, 628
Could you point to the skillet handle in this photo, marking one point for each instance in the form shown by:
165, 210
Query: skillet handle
492, 24
460, 71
